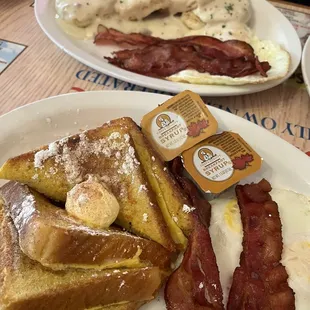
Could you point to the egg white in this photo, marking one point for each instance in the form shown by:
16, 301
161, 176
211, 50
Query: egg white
226, 233
295, 217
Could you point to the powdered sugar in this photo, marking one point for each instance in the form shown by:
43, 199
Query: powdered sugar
43, 155
122, 284
127, 137
142, 187
22, 212
71, 154
187, 209
82, 199
114, 135
52, 170
129, 163
131, 151
145, 217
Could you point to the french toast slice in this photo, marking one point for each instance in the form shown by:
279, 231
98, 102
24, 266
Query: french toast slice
169, 195
107, 152
152, 186
27, 285
49, 235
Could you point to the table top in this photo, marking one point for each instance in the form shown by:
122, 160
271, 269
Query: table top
38, 69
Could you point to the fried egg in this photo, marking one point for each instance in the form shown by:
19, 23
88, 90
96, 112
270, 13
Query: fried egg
226, 233
178, 18
228, 21
278, 58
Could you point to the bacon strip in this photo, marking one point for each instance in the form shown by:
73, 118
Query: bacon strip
203, 207
162, 58
209, 46
261, 280
116, 36
195, 284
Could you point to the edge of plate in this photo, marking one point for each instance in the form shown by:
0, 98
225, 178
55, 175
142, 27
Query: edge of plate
164, 97
304, 63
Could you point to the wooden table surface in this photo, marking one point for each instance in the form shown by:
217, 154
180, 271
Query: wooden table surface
42, 70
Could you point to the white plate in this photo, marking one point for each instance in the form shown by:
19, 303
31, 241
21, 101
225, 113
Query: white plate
263, 23
44, 121
305, 64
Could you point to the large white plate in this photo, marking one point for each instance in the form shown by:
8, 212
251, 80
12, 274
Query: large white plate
305, 64
44, 121
263, 23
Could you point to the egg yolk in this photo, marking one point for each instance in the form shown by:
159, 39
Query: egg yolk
232, 216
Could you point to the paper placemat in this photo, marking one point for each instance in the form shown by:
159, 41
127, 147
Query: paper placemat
33, 68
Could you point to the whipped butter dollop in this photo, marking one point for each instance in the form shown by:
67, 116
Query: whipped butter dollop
93, 203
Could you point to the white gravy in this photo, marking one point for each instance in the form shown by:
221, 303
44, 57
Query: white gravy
223, 19
213, 11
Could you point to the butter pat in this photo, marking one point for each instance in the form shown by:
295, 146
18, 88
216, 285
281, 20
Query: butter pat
178, 124
92, 203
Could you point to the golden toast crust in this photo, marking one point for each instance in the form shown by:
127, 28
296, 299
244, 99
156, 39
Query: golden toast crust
50, 236
108, 152
163, 183
26, 285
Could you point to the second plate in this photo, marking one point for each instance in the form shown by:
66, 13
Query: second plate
263, 24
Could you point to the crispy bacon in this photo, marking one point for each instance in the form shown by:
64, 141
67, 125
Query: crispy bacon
115, 36
161, 58
260, 282
164, 60
208, 46
203, 207
195, 284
